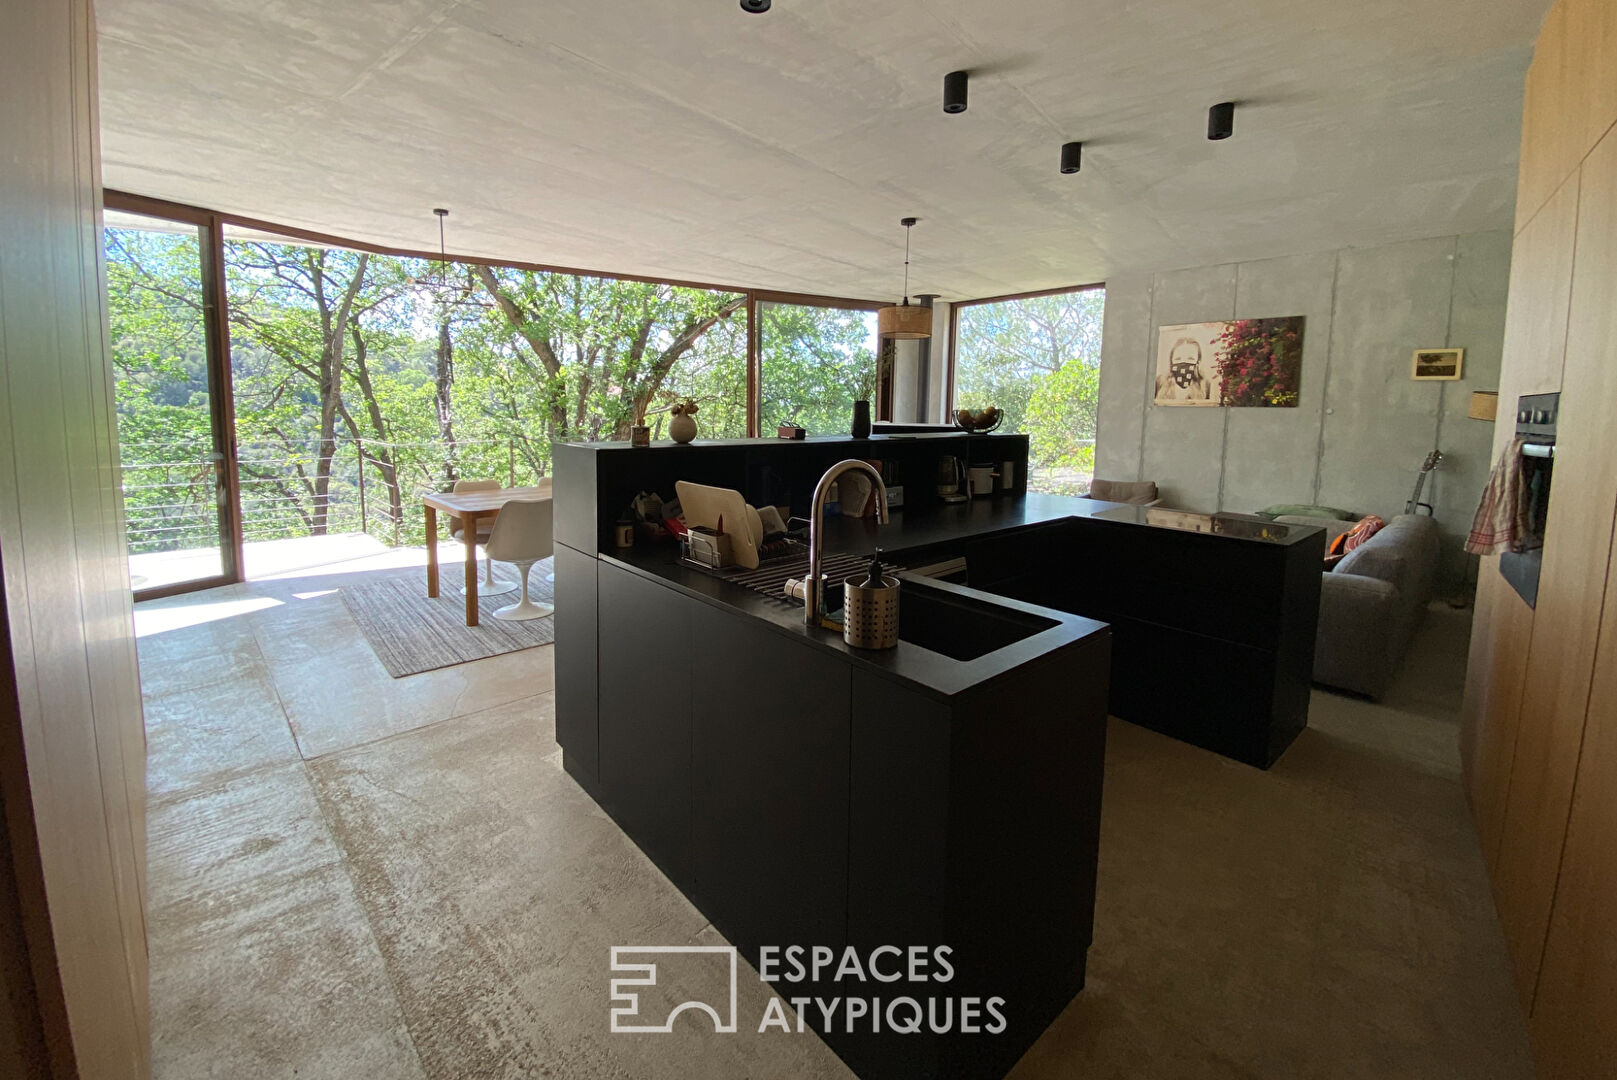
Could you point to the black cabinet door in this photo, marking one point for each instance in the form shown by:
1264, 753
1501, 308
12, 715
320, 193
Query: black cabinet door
769, 785
645, 714
576, 727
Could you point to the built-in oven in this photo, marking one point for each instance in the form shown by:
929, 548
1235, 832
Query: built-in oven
1535, 425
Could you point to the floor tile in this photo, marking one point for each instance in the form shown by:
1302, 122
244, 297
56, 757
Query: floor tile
431, 894
262, 961
497, 889
201, 736
199, 655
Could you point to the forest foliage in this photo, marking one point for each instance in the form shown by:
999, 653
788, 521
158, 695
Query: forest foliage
360, 381
1038, 359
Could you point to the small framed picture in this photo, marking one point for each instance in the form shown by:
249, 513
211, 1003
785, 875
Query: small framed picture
1433, 364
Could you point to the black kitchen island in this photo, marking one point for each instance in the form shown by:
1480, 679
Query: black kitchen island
942, 793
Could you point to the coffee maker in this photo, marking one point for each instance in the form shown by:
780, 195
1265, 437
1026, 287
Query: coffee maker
952, 479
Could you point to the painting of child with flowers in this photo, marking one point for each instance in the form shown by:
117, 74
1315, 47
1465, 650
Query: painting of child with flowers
1261, 361
1242, 363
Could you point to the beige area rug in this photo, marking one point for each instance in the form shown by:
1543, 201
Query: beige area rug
411, 633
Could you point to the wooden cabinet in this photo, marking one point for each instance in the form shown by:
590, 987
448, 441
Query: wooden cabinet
1540, 730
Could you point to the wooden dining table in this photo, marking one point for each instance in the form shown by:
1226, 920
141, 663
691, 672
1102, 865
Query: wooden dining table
469, 508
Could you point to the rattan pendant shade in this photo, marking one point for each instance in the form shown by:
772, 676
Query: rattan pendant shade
904, 321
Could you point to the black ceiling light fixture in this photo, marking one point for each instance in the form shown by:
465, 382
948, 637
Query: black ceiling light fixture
1221, 120
755, 7
954, 92
1071, 156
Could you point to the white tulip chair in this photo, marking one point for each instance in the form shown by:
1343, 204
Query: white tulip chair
522, 537
489, 586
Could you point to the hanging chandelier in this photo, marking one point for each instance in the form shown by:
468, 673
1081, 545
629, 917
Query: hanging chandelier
905, 321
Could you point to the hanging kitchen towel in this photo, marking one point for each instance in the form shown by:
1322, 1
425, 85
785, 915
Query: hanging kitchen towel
1501, 523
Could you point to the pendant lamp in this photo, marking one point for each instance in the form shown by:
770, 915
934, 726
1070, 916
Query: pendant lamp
905, 321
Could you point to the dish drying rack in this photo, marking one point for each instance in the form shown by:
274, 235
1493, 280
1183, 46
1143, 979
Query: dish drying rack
782, 560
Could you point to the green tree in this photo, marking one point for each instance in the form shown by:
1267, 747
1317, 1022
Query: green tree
159, 353
815, 362
1038, 360
357, 374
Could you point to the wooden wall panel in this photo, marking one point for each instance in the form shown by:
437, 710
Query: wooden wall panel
1546, 157
77, 717
1568, 104
1540, 293
1502, 628
1534, 348
1575, 1011
1540, 718
1587, 74
1560, 662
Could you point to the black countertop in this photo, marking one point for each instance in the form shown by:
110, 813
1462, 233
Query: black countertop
950, 523
922, 668
913, 531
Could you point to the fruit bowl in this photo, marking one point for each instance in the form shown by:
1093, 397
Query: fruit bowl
978, 423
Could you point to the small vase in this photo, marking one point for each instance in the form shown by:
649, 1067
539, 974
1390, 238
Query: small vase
861, 420
682, 428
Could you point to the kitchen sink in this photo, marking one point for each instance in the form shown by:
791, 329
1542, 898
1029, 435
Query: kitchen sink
961, 627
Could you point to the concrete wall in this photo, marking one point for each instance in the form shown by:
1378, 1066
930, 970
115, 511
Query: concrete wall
1363, 426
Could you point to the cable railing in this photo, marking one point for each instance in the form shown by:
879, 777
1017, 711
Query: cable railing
173, 502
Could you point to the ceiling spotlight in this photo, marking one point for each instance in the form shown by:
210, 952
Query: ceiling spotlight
1221, 120
1071, 156
755, 7
954, 92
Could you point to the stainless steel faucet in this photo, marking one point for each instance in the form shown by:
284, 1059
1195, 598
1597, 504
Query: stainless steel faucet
813, 587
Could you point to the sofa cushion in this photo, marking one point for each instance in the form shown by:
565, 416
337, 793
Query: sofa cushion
1333, 527
1402, 553
1139, 492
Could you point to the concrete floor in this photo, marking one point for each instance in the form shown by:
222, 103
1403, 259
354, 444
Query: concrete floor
260, 558
356, 875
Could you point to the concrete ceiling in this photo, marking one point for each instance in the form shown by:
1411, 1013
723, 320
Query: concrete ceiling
688, 139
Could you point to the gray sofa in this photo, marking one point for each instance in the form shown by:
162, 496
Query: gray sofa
1371, 603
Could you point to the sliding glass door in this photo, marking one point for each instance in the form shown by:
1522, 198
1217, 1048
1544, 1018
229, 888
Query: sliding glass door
172, 399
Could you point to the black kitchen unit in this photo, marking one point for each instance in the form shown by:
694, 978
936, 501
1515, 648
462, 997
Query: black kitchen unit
945, 792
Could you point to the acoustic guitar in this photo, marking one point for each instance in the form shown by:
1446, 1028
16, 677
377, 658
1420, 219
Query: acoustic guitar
1433, 460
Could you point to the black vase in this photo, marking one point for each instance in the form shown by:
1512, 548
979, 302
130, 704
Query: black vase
861, 420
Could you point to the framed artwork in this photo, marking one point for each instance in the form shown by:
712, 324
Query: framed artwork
1430, 365
1240, 363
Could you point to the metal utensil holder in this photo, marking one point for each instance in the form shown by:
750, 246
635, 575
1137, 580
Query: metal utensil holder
870, 616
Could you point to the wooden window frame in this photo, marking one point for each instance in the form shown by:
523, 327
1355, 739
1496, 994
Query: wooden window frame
755, 354
221, 388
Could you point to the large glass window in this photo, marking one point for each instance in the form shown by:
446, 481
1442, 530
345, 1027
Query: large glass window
1038, 360
357, 381
364, 380
814, 363
172, 464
